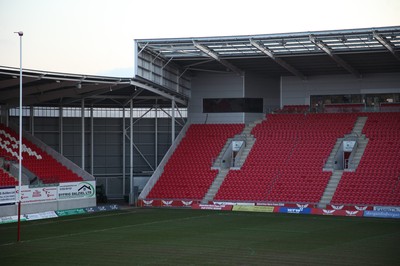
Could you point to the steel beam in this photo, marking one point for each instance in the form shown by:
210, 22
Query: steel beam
382, 40
278, 60
157, 91
334, 57
214, 55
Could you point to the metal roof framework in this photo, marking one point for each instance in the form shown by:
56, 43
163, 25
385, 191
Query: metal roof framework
42, 88
356, 52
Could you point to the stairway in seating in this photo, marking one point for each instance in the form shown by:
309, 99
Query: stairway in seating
330, 162
250, 140
361, 144
330, 188
212, 191
359, 125
333, 183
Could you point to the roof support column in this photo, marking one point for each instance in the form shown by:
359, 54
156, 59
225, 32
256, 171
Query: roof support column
156, 135
61, 130
91, 141
132, 182
172, 121
123, 151
32, 120
83, 132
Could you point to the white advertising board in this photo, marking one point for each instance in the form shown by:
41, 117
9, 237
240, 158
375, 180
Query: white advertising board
39, 194
77, 190
40, 215
7, 195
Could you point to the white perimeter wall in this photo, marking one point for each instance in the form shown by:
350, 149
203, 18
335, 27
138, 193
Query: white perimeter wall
296, 91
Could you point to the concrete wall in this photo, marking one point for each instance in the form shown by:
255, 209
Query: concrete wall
108, 145
9, 210
260, 86
296, 91
214, 85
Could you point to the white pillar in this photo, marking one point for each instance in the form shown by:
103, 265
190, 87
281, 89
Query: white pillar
131, 196
156, 136
123, 151
32, 120
173, 121
83, 132
91, 141
61, 130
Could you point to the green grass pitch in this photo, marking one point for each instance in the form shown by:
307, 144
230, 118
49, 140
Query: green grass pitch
195, 237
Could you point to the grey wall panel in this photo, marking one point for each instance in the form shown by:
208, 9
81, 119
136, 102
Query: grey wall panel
51, 138
72, 204
108, 141
250, 117
296, 91
212, 85
46, 124
47, 206
258, 85
39, 207
8, 210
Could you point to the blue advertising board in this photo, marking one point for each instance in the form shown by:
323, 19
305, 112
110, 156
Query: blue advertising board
382, 214
295, 210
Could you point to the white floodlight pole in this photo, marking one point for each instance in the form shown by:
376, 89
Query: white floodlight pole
20, 34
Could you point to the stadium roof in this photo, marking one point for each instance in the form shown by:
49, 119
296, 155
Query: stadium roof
357, 51
61, 89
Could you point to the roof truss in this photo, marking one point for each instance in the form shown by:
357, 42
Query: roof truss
278, 60
386, 43
214, 55
334, 57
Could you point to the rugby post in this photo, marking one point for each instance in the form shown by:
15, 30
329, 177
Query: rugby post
20, 34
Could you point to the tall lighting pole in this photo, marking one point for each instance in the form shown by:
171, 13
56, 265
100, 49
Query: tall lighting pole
20, 34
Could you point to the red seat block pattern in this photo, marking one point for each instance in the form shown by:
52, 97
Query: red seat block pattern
45, 167
377, 178
187, 174
286, 161
6, 180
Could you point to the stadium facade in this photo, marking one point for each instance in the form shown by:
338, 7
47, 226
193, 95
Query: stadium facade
122, 131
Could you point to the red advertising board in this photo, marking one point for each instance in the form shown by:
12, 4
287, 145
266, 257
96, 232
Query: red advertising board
336, 212
212, 207
289, 205
349, 208
166, 203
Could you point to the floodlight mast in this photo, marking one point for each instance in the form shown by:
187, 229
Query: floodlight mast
20, 34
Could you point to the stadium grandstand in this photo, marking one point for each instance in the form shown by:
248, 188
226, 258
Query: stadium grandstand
308, 118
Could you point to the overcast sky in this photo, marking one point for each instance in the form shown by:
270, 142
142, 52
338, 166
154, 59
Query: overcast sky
96, 36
